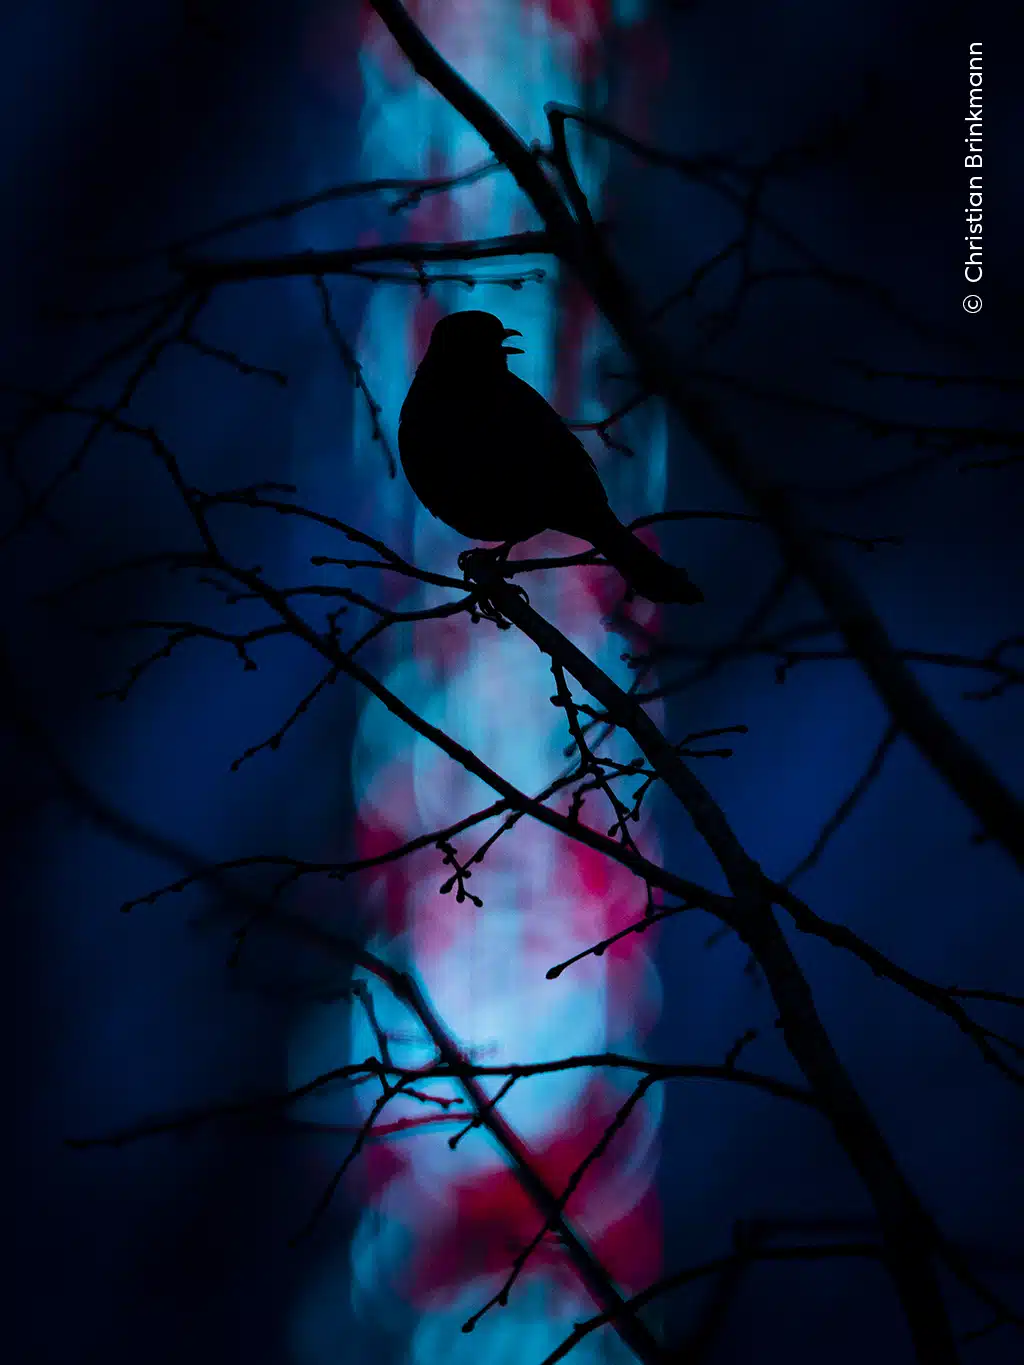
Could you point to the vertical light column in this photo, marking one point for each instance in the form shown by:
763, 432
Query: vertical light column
441, 1227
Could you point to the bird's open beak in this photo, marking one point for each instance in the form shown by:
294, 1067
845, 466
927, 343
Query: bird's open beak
512, 350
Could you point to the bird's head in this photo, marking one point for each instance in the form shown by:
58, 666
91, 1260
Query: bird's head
472, 339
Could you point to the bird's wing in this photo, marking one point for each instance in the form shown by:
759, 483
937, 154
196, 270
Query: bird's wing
554, 459
540, 418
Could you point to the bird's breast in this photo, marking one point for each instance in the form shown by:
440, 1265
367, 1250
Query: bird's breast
464, 460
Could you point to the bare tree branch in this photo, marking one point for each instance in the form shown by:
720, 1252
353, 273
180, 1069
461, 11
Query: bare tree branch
977, 786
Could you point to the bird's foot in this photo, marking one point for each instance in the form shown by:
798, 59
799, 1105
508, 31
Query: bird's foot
482, 560
482, 568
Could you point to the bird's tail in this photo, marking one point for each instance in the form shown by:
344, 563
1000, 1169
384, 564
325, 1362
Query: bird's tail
645, 572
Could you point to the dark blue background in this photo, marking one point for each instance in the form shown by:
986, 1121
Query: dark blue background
127, 128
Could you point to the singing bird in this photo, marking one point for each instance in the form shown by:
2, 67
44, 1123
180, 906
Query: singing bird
489, 456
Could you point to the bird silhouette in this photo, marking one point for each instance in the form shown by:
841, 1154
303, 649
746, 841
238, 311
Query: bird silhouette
489, 456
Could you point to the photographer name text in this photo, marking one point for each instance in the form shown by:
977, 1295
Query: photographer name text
973, 165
